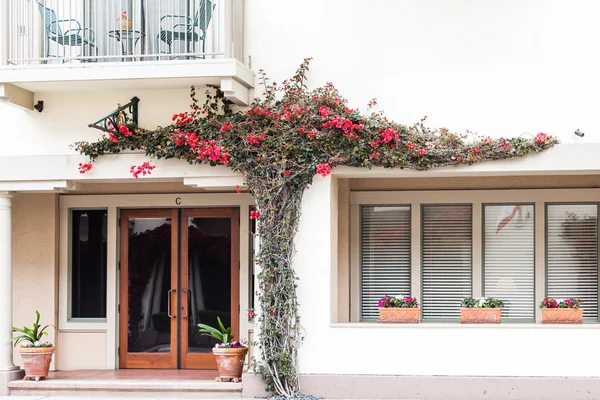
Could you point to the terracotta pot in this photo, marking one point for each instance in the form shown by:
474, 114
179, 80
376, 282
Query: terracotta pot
399, 315
36, 362
230, 362
480, 315
126, 24
562, 315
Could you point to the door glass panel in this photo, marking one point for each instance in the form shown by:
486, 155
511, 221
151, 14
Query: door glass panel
209, 278
149, 277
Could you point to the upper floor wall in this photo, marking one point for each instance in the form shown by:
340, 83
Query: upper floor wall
496, 68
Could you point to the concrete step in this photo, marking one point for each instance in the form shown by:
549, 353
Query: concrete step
127, 388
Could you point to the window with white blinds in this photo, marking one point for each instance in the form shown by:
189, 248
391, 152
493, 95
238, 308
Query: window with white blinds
508, 258
385, 255
572, 254
446, 258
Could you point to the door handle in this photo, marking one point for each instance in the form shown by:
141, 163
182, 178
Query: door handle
184, 309
169, 303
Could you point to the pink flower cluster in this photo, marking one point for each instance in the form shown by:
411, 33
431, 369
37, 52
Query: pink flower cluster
183, 118
83, 168
398, 302
344, 124
254, 214
560, 303
143, 169
323, 169
541, 138
255, 140
213, 152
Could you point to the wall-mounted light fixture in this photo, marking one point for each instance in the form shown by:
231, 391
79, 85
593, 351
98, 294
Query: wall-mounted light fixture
579, 133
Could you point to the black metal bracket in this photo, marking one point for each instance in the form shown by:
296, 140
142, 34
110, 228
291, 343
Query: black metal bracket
118, 117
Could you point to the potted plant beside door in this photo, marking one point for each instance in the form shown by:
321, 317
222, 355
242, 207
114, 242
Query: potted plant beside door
35, 352
230, 355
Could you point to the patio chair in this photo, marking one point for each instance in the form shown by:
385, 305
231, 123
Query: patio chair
181, 28
73, 36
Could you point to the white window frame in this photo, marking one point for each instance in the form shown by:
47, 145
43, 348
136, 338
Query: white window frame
537, 197
114, 203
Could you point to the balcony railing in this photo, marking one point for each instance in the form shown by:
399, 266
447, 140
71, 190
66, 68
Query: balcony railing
108, 31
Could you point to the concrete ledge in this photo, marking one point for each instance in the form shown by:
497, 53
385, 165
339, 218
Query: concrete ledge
8, 376
127, 387
449, 387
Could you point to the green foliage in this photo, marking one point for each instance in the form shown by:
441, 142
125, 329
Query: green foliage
278, 146
481, 302
31, 337
222, 334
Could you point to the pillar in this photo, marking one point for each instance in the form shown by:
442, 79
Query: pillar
8, 370
6, 354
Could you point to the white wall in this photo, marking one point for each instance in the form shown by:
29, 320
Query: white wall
421, 349
66, 117
494, 67
498, 68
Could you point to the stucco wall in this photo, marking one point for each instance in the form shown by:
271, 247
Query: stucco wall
331, 347
496, 68
81, 350
35, 273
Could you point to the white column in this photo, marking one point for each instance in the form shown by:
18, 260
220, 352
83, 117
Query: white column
6, 352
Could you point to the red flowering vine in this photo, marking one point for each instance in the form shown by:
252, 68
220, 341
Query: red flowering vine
278, 146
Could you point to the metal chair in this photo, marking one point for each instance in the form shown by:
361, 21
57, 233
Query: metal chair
181, 28
73, 36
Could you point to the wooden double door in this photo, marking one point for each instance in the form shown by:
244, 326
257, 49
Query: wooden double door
178, 268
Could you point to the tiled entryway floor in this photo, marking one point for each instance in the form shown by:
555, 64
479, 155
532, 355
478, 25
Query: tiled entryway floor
145, 374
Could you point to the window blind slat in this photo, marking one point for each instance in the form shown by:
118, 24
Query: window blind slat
446, 259
572, 254
385, 255
508, 258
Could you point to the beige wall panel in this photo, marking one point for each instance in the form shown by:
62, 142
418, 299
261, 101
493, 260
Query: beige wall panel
81, 350
34, 249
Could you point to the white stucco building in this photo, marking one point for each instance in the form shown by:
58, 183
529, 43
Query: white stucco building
104, 256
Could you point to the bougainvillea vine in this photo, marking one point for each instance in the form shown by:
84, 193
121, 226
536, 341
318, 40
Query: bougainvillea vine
278, 145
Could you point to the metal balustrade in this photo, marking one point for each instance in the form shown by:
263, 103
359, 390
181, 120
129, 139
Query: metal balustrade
108, 31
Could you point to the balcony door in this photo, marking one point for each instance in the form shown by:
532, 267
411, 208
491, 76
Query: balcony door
179, 268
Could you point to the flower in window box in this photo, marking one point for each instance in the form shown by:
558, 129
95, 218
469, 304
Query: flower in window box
399, 310
561, 311
482, 310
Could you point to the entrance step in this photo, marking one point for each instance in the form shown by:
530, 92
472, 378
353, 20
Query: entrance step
127, 388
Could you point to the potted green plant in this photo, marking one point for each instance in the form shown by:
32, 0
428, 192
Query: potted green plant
35, 352
399, 310
483, 310
561, 311
229, 354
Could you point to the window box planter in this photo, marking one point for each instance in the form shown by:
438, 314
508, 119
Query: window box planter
480, 315
565, 311
399, 315
562, 315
